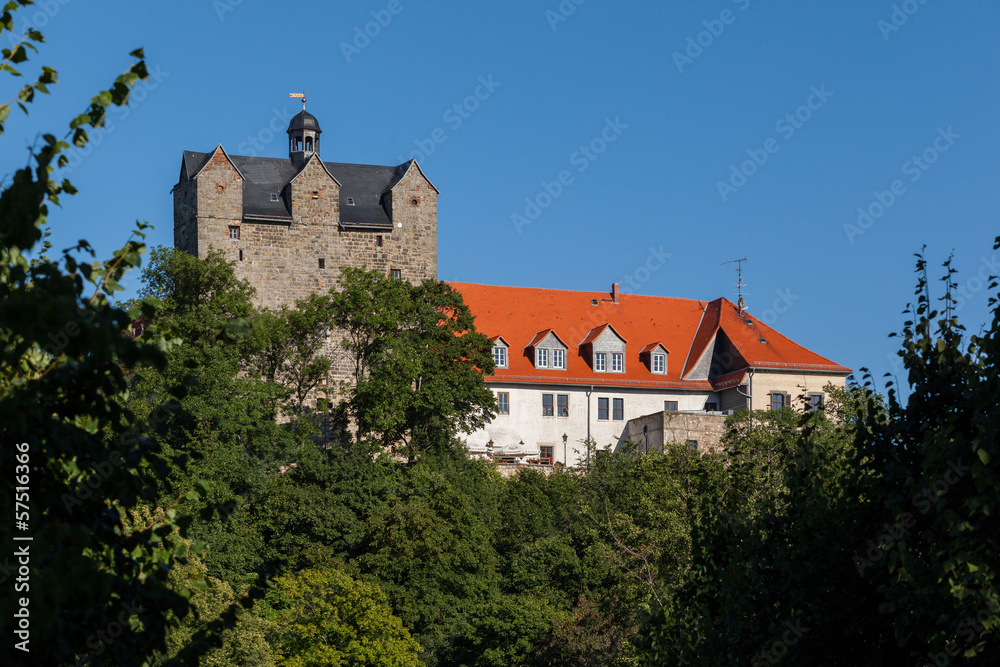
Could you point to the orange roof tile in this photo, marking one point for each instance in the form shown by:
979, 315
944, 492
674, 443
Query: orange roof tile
522, 315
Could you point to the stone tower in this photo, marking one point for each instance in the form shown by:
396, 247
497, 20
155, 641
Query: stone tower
288, 224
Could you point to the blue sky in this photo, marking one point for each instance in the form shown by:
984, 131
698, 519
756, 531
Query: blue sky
593, 142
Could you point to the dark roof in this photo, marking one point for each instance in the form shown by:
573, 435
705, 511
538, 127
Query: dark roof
304, 120
364, 184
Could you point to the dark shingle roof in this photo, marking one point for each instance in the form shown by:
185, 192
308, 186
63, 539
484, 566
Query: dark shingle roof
304, 120
364, 184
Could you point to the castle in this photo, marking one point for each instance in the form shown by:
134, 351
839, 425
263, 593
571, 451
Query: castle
569, 365
288, 225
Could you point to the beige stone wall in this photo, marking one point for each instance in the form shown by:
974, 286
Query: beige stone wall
281, 260
795, 385
677, 428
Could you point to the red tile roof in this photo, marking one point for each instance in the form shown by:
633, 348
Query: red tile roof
521, 315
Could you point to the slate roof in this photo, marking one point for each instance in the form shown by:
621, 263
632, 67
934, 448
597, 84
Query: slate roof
263, 176
685, 325
304, 120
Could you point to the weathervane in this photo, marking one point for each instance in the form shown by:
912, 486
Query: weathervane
739, 282
301, 96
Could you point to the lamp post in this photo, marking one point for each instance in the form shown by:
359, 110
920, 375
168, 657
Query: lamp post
565, 460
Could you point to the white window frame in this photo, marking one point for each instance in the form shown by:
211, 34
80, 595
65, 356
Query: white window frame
501, 352
558, 358
659, 363
617, 362
541, 358
600, 362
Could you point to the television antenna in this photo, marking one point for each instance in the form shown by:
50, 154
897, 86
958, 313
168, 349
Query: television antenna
741, 302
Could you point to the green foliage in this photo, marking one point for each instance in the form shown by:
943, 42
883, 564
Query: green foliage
418, 361
65, 350
323, 617
431, 551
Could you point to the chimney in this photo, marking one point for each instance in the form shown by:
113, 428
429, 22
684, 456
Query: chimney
614, 292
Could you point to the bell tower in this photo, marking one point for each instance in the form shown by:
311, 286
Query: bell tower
303, 136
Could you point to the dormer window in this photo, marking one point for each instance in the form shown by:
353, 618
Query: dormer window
603, 345
547, 350
350, 201
274, 196
654, 356
500, 353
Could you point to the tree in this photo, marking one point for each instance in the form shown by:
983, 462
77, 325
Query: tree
324, 617
418, 361
63, 357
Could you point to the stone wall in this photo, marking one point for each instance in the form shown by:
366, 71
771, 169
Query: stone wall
282, 260
676, 428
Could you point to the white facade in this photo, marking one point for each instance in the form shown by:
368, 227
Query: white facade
527, 422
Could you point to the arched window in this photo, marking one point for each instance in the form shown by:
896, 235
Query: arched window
309, 144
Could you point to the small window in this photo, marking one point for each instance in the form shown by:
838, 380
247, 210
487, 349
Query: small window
617, 361
378, 241
350, 201
600, 362
500, 356
670, 406
693, 444
414, 202
395, 274
602, 409
711, 407
503, 402
619, 409
241, 255
545, 454
315, 194
541, 358
658, 363
546, 405
815, 402
558, 359
322, 263
563, 405
234, 232
274, 196
777, 401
